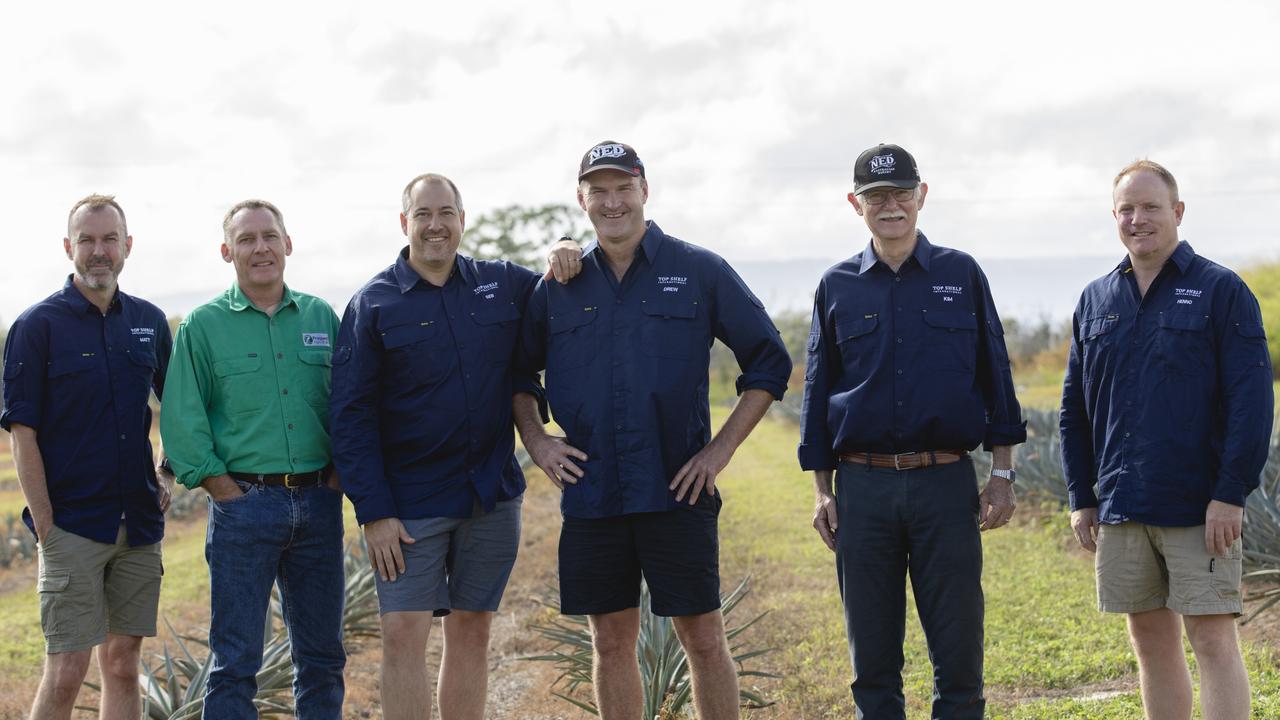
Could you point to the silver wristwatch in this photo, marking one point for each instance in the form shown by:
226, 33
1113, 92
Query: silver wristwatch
1009, 475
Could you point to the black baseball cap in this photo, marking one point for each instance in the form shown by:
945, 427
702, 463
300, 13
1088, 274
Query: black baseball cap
610, 155
885, 166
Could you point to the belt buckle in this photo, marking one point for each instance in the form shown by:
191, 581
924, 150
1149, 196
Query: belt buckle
289, 481
896, 465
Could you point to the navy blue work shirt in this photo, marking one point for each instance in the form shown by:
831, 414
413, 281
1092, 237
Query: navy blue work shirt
906, 362
421, 396
1167, 403
82, 380
627, 366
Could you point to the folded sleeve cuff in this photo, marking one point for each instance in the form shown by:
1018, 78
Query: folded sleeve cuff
23, 413
999, 435
814, 457
375, 508
771, 384
532, 387
1081, 499
192, 478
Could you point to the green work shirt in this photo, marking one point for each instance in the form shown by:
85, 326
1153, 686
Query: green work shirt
248, 392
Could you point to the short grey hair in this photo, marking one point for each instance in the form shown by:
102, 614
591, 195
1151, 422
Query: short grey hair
250, 204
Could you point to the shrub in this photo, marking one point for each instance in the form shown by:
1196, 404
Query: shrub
664, 669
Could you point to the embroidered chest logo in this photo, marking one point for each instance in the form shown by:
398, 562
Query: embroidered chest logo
486, 290
1186, 296
672, 283
315, 339
143, 334
948, 292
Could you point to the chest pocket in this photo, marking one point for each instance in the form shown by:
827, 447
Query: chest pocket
951, 343
242, 386
316, 364
856, 339
1096, 338
68, 366
1184, 343
498, 326
572, 338
669, 326
415, 355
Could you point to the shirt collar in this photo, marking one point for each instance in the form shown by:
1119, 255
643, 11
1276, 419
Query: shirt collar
80, 303
240, 301
1182, 256
651, 243
922, 253
407, 278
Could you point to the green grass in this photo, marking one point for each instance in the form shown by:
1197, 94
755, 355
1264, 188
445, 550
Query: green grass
1044, 634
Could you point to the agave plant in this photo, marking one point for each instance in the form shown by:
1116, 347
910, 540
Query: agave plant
1262, 534
664, 667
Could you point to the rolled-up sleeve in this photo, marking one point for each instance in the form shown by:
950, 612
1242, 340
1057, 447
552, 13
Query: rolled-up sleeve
354, 425
26, 354
184, 418
531, 348
1244, 374
742, 324
1005, 425
1079, 465
816, 450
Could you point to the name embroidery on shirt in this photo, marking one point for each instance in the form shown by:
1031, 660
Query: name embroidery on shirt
487, 289
144, 334
315, 339
670, 282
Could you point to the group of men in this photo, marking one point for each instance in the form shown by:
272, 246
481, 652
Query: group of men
409, 405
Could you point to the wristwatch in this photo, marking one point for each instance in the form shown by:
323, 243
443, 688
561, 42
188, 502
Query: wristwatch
1009, 474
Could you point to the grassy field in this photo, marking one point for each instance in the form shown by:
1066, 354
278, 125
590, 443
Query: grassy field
1050, 654
1048, 649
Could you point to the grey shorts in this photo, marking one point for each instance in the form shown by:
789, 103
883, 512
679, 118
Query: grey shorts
88, 589
1145, 567
455, 563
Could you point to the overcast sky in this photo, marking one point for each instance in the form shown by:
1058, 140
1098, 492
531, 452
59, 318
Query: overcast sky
748, 116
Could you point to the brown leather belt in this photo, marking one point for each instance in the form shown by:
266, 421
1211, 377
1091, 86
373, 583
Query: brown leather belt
905, 461
289, 480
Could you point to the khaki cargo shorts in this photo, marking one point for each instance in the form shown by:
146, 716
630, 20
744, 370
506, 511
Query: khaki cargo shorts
88, 589
1145, 567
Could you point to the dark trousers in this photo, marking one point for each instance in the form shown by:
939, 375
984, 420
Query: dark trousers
923, 522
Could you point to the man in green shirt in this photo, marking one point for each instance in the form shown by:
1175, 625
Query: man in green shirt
246, 418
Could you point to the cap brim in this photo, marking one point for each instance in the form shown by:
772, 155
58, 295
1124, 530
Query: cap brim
628, 169
858, 190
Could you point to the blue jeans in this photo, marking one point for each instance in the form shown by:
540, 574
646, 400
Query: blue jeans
293, 538
923, 522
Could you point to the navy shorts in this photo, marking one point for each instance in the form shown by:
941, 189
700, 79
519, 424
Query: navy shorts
677, 552
455, 564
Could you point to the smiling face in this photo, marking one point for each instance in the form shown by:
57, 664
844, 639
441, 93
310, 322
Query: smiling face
97, 246
1147, 216
614, 202
256, 244
894, 220
433, 222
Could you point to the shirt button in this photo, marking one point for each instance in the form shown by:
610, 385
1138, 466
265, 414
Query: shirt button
284, 391
899, 403
1126, 434
122, 436
897, 279
899, 372
899, 340
279, 356
290, 426
617, 427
